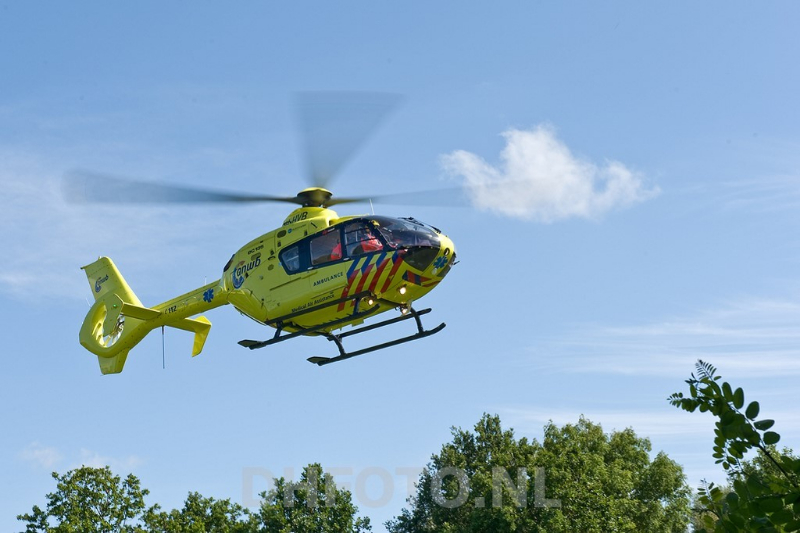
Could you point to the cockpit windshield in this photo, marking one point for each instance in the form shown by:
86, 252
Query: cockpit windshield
363, 236
404, 233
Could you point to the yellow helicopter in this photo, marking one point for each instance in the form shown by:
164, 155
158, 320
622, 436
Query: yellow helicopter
316, 274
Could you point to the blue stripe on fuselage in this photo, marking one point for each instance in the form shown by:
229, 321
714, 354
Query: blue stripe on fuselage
353, 268
366, 263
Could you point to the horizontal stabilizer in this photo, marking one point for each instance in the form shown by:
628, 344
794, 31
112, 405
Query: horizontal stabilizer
200, 326
142, 313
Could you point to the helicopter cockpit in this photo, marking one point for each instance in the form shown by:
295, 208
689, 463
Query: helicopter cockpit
360, 236
420, 241
406, 232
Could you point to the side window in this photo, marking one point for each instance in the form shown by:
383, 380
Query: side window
326, 248
290, 258
360, 239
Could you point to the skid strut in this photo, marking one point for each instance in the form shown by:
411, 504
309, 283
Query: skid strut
280, 322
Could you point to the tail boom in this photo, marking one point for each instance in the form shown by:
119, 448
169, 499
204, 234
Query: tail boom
118, 321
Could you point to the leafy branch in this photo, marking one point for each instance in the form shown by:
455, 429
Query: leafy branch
761, 500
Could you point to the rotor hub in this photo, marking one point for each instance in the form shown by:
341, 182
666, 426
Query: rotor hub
314, 197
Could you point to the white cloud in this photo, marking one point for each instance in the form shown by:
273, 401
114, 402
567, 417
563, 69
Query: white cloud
540, 179
43, 456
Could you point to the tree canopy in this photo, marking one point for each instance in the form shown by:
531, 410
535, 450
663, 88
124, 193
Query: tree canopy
312, 505
89, 500
93, 500
577, 479
200, 515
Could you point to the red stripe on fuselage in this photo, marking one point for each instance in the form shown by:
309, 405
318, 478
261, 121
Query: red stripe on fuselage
378, 275
364, 278
347, 287
398, 260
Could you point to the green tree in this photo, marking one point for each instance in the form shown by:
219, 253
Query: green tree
89, 500
312, 505
200, 515
93, 500
763, 463
765, 492
577, 479
608, 482
444, 502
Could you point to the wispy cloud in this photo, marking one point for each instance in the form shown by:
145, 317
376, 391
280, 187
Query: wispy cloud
688, 438
756, 337
531, 419
777, 193
41, 456
670, 422
49, 457
46, 240
540, 179
118, 464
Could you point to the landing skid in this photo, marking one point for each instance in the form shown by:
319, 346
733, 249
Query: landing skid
343, 354
337, 339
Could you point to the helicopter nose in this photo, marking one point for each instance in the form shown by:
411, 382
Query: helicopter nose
421, 257
432, 258
445, 260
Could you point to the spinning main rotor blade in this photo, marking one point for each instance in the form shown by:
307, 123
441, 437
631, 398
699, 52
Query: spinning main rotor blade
447, 197
83, 187
334, 125
90, 187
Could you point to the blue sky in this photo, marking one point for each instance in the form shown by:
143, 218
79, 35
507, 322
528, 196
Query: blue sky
637, 178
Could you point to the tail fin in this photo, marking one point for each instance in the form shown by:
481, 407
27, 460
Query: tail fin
118, 321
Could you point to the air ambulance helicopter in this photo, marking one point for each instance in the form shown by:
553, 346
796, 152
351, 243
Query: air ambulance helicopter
313, 276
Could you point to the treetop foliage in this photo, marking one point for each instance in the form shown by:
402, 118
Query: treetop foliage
577, 479
89, 499
93, 500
